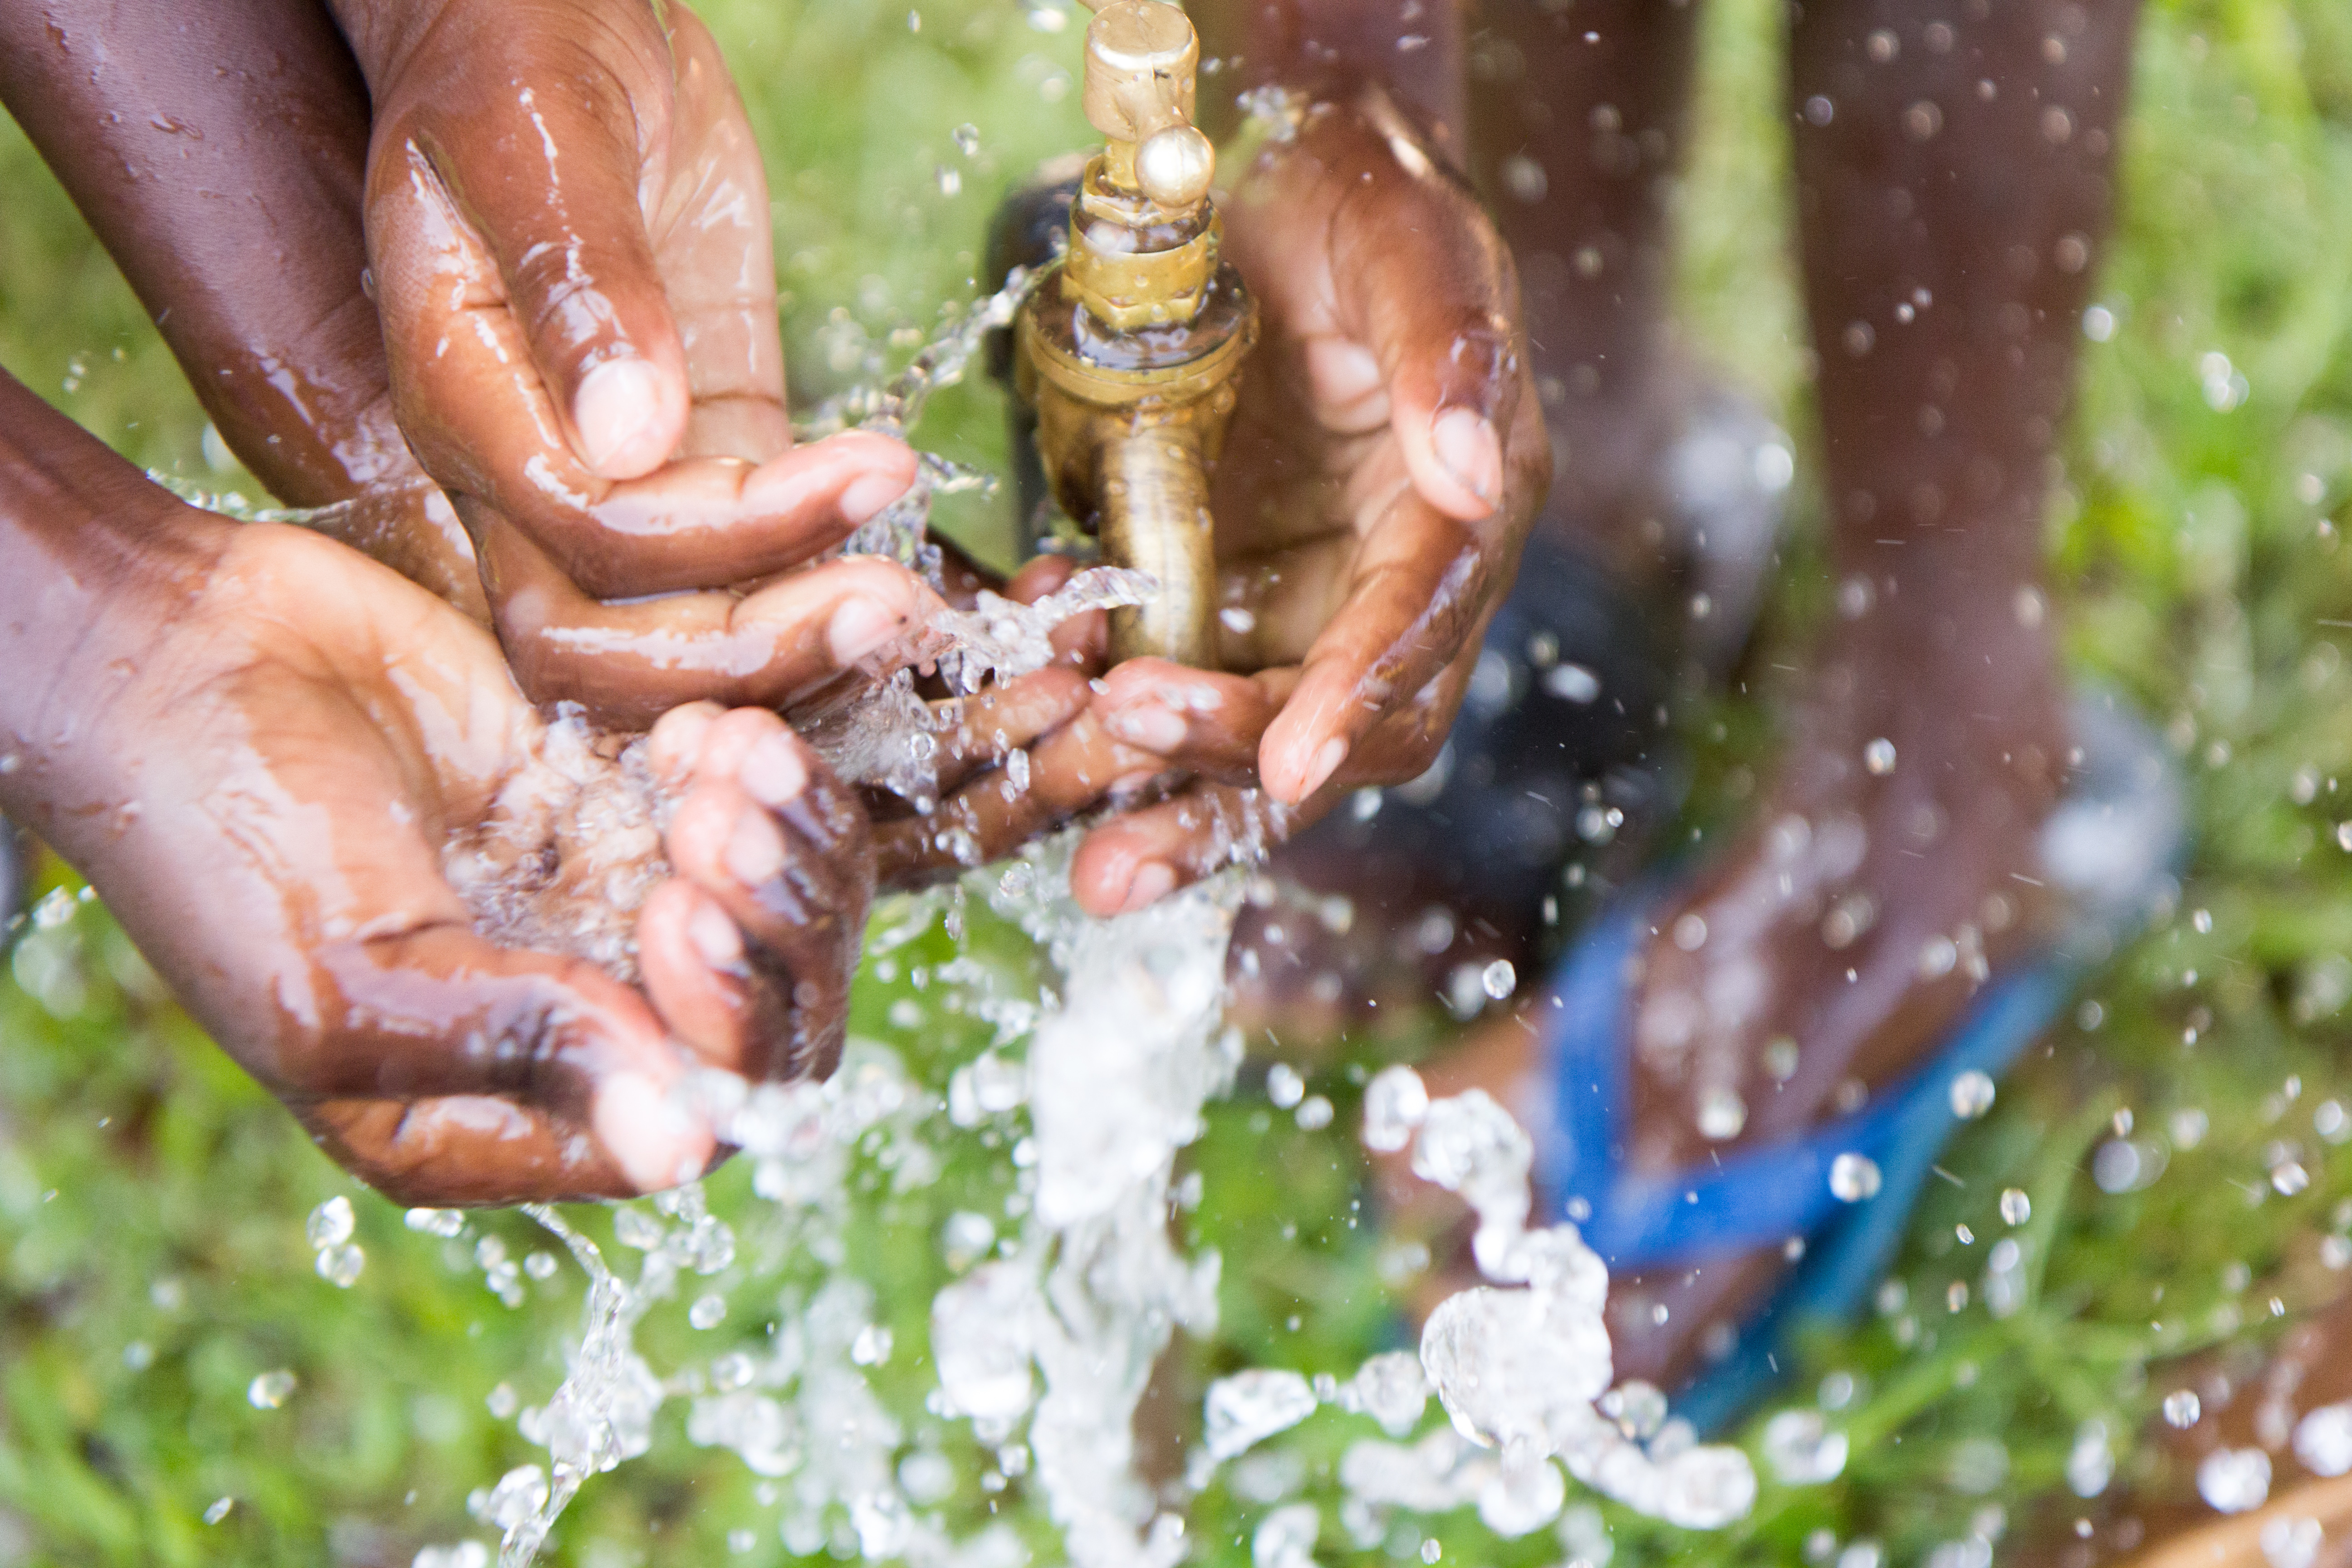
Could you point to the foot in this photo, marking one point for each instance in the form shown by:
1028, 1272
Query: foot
1827, 954
1893, 869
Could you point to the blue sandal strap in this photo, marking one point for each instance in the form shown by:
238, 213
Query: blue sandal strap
1758, 1195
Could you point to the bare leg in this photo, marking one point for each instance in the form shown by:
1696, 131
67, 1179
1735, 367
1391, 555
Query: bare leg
1952, 167
1577, 121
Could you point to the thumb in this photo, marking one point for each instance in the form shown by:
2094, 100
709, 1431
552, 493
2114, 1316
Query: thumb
546, 170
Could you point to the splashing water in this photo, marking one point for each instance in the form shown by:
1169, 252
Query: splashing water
1086, 1095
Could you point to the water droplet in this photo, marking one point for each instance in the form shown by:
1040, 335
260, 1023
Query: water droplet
2234, 1480
330, 1223
1313, 1114
2091, 1464
1499, 979
1879, 756
2323, 1440
1284, 1085
270, 1389
709, 1311
1249, 1407
967, 140
872, 1345
1430, 1550
219, 1510
1572, 683
1802, 1450
2289, 1177
521, 1493
1395, 1101
1721, 1114
340, 1266
2015, 1206
1638, 1407
1972, 1095
1780, 1059
2182, 1407
1853, 1177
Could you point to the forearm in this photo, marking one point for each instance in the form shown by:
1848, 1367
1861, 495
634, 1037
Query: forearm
218, 151
93, 559
1413, 47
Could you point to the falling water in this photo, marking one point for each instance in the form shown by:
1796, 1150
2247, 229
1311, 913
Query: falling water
1091, 1087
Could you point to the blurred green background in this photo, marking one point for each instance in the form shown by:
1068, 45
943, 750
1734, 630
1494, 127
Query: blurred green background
152, 1261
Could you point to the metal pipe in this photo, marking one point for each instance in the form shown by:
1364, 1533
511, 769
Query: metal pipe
1154, 489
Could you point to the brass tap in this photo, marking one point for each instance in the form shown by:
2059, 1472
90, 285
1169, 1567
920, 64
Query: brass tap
1129, 346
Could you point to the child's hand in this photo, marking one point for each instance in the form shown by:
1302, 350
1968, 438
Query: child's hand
261, 747
568, 232
1386, 459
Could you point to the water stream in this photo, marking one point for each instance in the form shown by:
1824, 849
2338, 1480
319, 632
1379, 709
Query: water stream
1088, 1090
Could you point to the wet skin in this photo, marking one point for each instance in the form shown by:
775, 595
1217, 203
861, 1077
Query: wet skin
1862, 910
257, 743
1386, 457
482, 298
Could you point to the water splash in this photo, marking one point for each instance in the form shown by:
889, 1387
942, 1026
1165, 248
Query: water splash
1093, 1082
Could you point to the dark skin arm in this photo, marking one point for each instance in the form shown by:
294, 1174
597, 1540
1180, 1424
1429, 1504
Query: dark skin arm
259, 746
255, 114
217, 151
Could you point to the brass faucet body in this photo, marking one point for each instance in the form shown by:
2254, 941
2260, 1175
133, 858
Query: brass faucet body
1130, 346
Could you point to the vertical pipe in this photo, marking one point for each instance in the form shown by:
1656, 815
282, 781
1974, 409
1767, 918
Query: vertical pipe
1155, 518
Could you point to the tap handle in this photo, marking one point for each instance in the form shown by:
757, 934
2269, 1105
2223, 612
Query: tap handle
1143, 60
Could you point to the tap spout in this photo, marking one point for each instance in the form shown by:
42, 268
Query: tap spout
1129, 349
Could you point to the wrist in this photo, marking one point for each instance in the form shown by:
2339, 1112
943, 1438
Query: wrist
96, 563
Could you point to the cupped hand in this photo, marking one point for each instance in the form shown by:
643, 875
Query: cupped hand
316, 800
567, 236
1386, 458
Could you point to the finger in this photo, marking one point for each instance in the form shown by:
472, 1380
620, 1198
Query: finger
1425, 283
714, 247
628, 664
544, 158
439, 1012
1077, 766
987, 728
1136, 859
1039, 576
769, 833
674, 743
1205, 723
1421, 590
701, 981
460, 1150
413, 530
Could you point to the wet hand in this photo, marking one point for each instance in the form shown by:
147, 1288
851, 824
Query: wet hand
568, 235
1386, 458
266, 783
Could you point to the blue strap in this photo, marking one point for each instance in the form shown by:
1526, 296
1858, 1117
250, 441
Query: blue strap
1755, 1197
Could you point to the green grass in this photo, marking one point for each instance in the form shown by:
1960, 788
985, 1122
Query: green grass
152, 1200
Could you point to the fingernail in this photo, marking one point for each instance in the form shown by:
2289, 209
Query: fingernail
714, 936
1148, 725
1327, 757
869, 494
617, 405
1153, 881
860, 626
1469, 449
652, 1139
772, 771
755, 851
